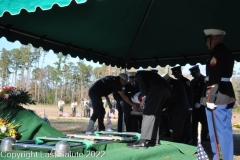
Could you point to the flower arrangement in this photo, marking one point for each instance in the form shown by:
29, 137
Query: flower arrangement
8, 129
12, 97
237, 125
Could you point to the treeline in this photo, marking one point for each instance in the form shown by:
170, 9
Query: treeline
24, 67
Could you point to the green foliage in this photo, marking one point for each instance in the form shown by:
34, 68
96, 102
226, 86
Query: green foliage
50, 98
236, 110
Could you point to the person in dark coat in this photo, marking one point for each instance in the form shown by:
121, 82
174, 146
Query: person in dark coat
198, 113
157, 92
220, 97
177, 73
119, 107
102, 88
88, 109
130, 88
178, 106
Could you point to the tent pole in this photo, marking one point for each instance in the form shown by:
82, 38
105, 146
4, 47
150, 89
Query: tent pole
139, 29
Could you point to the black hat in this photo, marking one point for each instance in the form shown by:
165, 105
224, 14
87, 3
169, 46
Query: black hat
194, 69
176, 69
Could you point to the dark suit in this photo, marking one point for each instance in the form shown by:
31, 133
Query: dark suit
190, 96
119, 107
157, 92
199, 114
129, 90
178, 106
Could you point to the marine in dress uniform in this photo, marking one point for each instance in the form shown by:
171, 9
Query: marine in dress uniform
102, 88
198, 113
177, 73
178, 107
157, 92
220, 97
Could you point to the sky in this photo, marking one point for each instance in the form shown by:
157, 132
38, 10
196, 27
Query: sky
52, 58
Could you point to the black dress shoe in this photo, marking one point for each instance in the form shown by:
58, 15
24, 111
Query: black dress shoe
154, 143
138, 145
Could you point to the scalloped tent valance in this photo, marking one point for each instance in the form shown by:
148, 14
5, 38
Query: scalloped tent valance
122, 32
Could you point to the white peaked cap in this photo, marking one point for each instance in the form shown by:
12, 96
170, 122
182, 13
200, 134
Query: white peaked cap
214, 32
166, 77
123, 76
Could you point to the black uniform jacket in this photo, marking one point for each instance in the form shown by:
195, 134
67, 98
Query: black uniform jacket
130, 89
198, 86
187, 84
178, 102
106, 86
150, 82
117, 96
220, 65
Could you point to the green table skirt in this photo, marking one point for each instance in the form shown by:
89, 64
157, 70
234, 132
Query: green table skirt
116, 151
31, 124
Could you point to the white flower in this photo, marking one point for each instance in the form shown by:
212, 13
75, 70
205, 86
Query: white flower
3, 129
18, 93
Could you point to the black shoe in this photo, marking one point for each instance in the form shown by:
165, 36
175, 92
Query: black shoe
154, 143
137, 145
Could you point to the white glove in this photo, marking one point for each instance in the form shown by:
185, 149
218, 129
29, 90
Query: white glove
197, 105
211, 105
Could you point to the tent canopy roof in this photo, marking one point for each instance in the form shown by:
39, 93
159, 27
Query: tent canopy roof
137, 32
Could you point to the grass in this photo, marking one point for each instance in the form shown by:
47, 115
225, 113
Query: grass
236, 110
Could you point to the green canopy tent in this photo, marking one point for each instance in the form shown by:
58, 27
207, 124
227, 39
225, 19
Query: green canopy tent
122, 32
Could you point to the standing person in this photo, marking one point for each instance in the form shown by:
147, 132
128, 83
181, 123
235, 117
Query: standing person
177, 73
61, 103
129, 89
198, 113
74, 106
220, 97
157, 92
102, 88
119, 106
87, 109
178, 108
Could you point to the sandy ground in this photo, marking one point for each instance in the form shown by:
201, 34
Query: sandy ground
76, 125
